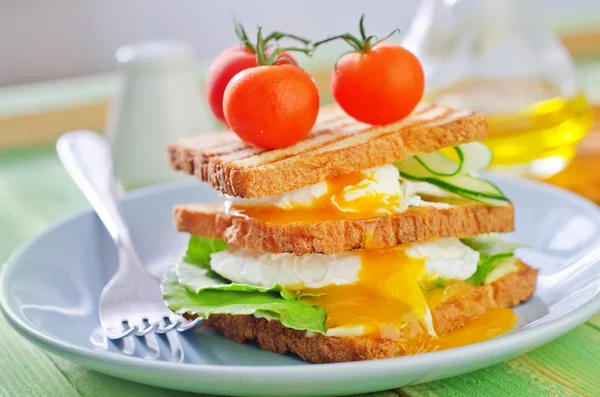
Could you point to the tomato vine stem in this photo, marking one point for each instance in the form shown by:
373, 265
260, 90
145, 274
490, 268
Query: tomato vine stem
280, 35
274, 57
262, 44
363, 44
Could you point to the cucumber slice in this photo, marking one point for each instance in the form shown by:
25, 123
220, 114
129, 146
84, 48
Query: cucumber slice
464, 185
485, 200
476, 156
439, 170
439, 165
473, 156
471, 185
413, 169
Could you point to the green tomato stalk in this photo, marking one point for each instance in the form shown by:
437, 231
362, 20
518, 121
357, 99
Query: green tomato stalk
263, 42
363, 44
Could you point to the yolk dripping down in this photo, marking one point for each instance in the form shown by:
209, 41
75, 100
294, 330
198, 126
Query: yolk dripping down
386, 298
327, 207
389, 302
491, 324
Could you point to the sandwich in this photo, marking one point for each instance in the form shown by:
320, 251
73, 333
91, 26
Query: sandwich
359, 242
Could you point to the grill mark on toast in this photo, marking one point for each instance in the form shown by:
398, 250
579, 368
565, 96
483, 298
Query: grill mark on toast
374, 132
336, 130
184, 151
312, 143
217, 169
209, 166
346, 130
232, 149
337, 145
235, 149
190, 154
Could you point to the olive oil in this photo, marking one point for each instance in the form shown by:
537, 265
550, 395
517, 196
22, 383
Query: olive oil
534, 131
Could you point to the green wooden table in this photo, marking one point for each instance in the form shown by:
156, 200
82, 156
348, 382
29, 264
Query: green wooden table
35, 192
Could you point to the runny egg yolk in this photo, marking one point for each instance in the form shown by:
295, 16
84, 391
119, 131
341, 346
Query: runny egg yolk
386, 298
331, 206
389, 301
491, 324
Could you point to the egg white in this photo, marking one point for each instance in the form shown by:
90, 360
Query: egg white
446, 257
381, 181
244, 266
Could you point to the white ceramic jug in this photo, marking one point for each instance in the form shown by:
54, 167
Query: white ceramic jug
159, 101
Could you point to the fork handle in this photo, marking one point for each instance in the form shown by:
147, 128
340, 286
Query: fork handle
88, 159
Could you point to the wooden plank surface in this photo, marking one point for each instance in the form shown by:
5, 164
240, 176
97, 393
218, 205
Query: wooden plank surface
26, 370
90, 383
564, 367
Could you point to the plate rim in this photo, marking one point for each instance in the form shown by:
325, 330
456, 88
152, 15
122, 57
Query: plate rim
525, 339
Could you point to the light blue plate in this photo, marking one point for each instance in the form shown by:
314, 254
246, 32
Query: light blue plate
50, 292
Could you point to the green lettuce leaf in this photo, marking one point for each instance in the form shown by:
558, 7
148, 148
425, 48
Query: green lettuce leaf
198, 279
200, 248
492, 250
194, 271
490, 245
192, 287
485, 266
291, 313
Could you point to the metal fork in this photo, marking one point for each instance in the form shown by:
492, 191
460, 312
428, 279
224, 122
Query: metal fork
131, 302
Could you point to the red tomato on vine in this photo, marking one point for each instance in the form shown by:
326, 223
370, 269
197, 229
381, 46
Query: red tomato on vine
378, 82
274, 104
235, 59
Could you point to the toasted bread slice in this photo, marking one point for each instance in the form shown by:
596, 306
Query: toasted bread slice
330, 237
448, 316
337, 145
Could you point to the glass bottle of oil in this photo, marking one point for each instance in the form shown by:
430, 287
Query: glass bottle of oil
497, 56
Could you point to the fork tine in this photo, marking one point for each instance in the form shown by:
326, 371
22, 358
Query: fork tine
146, 330
164, 327
118, 333
174, 343
188, 325
126, 345
151, 342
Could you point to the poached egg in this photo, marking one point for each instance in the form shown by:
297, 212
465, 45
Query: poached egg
447, 258
363, 292
358, 195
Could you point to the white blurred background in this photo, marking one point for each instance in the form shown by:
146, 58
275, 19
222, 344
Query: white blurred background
51, 39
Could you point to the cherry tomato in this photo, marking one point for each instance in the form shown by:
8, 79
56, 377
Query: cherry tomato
226, 65
271, 106
380, 86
